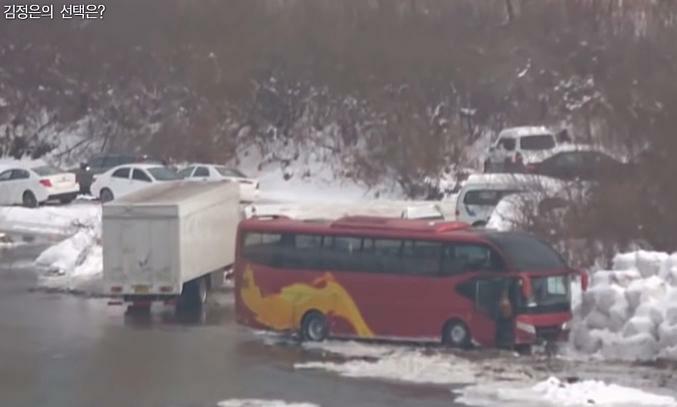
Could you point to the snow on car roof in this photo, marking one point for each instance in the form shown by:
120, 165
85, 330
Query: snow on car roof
524, 131
143, 166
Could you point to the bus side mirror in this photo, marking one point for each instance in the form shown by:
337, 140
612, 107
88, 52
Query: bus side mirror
526, 288
585, 279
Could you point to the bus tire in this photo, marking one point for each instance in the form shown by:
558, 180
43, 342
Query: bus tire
314, 327
456, 334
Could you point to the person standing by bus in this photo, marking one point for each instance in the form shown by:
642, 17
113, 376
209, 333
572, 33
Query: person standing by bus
504, 320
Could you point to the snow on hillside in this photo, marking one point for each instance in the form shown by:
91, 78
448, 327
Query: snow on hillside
309, 172
630, 312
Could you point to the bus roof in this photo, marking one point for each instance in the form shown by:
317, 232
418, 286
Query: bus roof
361, 225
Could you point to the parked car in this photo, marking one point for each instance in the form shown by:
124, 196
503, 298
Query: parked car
249, 187
122, 180
579, 162
482, 192
99, 164
519, 210
33, 183
517, 147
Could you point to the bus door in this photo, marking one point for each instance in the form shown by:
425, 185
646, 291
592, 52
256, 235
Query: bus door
488, 293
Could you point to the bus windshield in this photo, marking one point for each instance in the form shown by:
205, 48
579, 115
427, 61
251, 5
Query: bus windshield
526, 252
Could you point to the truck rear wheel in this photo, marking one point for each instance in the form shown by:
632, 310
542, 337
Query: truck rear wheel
194, 294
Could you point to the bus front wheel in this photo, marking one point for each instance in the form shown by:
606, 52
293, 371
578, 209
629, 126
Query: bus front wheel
456, 334
314, 327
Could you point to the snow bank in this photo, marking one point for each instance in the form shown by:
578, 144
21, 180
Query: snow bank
61, 220
630, 312
76, 263
261, 403
406, 364
554, 392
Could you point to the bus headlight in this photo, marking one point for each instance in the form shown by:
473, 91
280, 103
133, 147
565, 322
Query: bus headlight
528, 328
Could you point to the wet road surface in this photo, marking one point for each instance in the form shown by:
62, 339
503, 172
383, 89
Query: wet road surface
60, 350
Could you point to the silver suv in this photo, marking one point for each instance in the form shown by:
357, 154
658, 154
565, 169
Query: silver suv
516, 147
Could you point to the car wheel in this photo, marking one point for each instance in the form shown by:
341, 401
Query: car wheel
28, 200
314, 327
479, 224
456, 334
106, 195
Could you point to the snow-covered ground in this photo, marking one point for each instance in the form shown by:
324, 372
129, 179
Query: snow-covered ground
262, 403
555, 392
58, 220
505, 380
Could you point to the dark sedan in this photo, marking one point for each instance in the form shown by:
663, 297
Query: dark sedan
580, 164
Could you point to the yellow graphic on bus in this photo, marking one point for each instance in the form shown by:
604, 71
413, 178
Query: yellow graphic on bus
284, 311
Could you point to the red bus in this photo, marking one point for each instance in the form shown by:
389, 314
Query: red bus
387, 278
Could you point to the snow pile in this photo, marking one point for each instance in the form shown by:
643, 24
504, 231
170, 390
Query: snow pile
630, 312
413, 365
6, 241
74, 264
261, 403
554, 392
62, 220
409, 366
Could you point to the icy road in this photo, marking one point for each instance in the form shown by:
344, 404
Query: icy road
62, 350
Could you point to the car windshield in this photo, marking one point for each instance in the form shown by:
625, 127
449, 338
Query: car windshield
163, 174
538, 142
46, 170
486, 197
229, 172
526, 252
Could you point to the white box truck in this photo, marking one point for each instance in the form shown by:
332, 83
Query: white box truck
171, 242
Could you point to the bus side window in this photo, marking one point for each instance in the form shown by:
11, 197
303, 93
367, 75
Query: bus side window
463, 257
385, 255
305, 253
261, 247
420, 257
342, 253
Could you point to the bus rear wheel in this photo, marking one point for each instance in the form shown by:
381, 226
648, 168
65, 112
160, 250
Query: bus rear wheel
314, 327
456, 334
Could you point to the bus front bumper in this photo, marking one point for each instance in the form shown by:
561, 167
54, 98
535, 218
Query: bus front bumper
533, 329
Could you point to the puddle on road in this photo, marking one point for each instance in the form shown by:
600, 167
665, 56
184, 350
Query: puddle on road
219, 312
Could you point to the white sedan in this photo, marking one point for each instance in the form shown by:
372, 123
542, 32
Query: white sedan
125, 179
34, 182
249, 188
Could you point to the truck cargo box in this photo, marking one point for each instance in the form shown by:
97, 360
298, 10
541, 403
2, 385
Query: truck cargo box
157, 239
